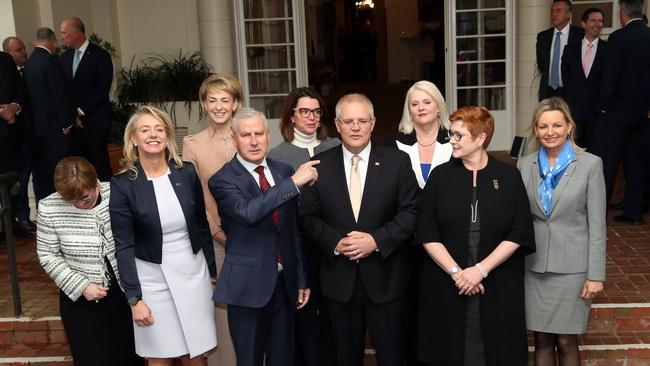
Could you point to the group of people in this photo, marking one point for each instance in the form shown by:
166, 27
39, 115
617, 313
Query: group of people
318, 239
52, 107
607, 87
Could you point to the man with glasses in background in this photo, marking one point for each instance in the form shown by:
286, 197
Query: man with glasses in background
361, 214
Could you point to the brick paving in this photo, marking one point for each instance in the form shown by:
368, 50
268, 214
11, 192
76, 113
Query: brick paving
617, 335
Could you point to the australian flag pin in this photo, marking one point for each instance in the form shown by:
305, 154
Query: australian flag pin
496, 184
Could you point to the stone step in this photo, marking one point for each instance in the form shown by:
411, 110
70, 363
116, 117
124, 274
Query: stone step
31, 331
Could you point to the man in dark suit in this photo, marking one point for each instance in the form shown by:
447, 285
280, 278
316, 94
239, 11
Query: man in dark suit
263, 277
11, 95
89, 70
623, 108
362, 214
549, 48
582, 71
50, 111
16, 48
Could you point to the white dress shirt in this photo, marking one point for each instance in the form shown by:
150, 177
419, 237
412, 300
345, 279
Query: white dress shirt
363, 166
250, 167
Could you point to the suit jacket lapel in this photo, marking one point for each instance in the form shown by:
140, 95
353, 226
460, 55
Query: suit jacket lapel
537, 179
337, 176
598, 60
373, 174
566, 177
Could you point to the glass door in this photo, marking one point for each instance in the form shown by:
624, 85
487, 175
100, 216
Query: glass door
270, 54
481, 62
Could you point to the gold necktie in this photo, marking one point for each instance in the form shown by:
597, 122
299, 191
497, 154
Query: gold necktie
355, 187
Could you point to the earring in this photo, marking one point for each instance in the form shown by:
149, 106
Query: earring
318, 125
136, 145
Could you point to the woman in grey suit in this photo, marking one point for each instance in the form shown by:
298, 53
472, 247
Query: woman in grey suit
566, 190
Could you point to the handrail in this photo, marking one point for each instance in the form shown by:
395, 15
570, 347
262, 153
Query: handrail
7, 185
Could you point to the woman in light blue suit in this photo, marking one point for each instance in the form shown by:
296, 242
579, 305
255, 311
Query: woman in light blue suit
566, 190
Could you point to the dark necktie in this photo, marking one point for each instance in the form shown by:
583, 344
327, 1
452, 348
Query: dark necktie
265, 186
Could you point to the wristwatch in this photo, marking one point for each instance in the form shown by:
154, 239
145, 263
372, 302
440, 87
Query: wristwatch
134, 300
454, 270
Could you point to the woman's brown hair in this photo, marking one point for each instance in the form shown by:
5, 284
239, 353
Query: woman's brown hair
286, 125
74, 176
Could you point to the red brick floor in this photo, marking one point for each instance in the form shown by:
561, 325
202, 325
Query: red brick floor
628, 282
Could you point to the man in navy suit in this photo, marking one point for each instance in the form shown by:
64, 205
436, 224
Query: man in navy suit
550, 46
263, 278
89, 70
50, 111
582, 71
361, 214
623, 108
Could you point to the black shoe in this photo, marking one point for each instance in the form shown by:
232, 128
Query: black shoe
617, 206
634, 221
26, 225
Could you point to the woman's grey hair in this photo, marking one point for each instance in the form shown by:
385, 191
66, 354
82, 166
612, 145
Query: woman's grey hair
247, 113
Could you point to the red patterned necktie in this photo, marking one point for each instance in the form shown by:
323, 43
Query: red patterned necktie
265, 186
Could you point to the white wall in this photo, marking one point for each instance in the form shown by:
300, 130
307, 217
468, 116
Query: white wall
7, 26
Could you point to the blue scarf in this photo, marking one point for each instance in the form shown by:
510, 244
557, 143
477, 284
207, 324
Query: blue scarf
551, 174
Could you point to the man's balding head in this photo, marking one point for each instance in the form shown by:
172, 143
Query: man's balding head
16, 48
73, 32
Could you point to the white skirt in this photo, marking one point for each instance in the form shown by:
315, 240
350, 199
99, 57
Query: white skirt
178, 293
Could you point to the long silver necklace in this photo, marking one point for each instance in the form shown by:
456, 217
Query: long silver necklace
474, 208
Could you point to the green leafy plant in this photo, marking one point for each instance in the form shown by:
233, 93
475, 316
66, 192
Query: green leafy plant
121, 112
159, 79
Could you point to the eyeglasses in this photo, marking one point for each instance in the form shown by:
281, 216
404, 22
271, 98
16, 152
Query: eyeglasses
458, 136
305, 112
350, 122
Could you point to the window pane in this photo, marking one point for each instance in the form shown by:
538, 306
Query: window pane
271, 106
477, 49
474, 4
607, 9
491, 98
278, 57
484, 22
266, 9
489, 73
272, 82
273, 31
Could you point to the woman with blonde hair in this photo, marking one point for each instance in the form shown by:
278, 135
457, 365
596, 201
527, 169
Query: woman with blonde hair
163, 245
423, 129
566, 189
75, 246
220, 97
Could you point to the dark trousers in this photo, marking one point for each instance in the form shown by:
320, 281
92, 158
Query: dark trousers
264, 336
48, 151
314, 343
100, 333
616, 140
27, 162
385, 323
93, 145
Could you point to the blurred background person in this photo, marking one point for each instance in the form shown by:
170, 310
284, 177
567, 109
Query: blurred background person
163, 245
423, 129
303, 128
209, 150
566, 190
475, 223
75, 247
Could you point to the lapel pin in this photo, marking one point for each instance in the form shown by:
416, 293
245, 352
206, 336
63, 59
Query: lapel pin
495, 182
376, 163
178, 184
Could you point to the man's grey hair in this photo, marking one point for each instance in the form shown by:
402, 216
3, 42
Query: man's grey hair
633, 8
354, 97
247, 113
5, 42
44, 34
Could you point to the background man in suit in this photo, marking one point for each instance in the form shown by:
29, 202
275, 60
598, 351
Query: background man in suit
263, 275
11, 93
50, 111
362, 213
549, 48
89, 70
582, 71
16, 48
623, 108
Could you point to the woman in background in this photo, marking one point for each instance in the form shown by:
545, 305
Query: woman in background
566, 189
209, 150
163, 245
305, 135
75, 246
423, 129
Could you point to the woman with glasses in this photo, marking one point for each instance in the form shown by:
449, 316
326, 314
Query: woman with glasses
75, 246
209, 150
163, 244
566, 189
475, 224
423, 129
305, 134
